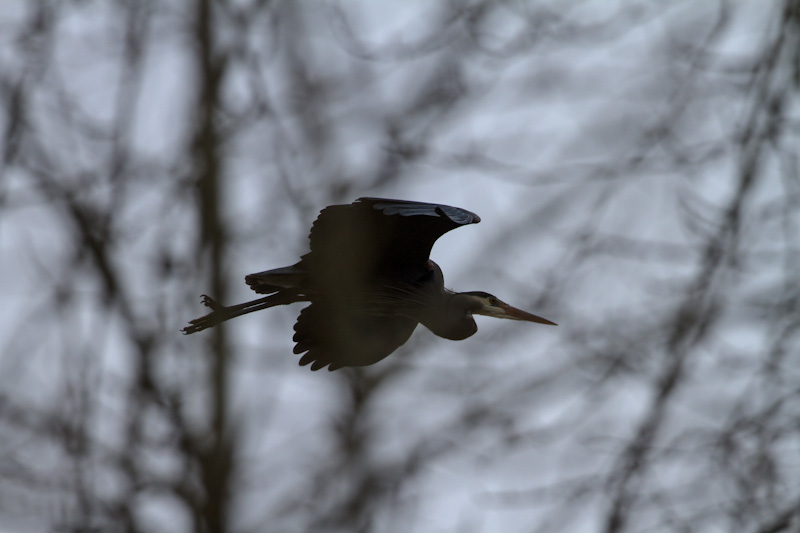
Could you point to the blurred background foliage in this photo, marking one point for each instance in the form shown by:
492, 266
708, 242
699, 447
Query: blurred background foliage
636, 168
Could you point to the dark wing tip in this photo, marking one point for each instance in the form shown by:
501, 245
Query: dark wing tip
409, 208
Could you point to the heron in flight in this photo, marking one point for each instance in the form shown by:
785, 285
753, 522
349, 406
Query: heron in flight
370, 281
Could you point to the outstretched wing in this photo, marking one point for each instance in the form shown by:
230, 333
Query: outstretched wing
375, 238
342, 336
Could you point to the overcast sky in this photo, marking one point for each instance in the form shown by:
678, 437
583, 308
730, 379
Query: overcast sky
633, 165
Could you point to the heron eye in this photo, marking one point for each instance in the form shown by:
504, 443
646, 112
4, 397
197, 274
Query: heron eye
493, 300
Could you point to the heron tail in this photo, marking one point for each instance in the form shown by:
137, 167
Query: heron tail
269, 281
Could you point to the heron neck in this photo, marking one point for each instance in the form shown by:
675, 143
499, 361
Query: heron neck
452, 317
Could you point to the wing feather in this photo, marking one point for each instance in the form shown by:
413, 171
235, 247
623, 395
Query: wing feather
380, 238
336, 336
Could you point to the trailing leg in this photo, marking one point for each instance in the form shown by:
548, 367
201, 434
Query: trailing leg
220, 313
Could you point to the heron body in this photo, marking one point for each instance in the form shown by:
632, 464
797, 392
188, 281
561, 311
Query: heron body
370, 281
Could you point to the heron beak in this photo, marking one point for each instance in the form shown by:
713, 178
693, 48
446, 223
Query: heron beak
517, 314
503, 310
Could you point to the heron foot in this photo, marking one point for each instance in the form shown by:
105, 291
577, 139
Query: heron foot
204, 322
199, 324
211, 303
210, 320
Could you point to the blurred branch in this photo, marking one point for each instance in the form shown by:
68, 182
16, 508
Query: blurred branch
699, 309
216, 451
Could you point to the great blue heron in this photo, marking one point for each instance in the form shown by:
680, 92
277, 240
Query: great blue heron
370, 282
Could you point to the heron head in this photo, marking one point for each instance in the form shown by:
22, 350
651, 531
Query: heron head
489, 305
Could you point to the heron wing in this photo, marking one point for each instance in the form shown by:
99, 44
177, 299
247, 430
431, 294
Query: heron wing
381, 238
330, 334
359, 252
